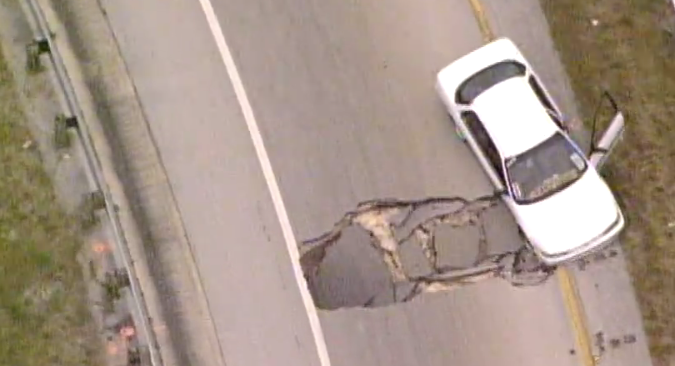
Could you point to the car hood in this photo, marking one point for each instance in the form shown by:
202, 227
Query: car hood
570, 218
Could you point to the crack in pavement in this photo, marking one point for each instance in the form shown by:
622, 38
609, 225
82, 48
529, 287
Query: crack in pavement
392, 222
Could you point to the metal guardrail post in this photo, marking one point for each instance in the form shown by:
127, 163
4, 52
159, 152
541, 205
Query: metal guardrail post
94, 165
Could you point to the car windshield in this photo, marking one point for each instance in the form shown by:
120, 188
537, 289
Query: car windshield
545, 169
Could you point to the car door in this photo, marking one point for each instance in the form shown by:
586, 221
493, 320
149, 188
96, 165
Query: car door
485, 149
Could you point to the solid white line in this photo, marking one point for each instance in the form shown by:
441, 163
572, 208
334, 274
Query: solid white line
270, 178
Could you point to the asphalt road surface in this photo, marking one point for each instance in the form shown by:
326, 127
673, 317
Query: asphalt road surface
343, 94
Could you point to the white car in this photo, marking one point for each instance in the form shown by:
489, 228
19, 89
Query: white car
506, 116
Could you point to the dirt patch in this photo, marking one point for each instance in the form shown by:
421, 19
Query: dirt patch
43, 302
627, 47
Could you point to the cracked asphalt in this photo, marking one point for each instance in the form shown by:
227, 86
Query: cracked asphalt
343, 92
394, 224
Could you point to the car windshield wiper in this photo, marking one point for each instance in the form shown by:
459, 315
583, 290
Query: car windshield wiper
553, 183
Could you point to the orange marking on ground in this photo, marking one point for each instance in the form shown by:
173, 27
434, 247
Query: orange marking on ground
101, 247
112, 348
127, 332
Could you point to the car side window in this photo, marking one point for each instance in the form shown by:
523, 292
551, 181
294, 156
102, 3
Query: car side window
539, 91
484, 141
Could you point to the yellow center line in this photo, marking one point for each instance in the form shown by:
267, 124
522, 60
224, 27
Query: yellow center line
568, 287
576, 314
479, 13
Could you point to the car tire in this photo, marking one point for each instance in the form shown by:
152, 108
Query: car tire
521, 233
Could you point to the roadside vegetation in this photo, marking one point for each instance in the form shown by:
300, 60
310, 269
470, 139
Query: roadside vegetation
44, 316
628, 47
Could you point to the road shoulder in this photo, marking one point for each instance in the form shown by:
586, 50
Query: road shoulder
138, 182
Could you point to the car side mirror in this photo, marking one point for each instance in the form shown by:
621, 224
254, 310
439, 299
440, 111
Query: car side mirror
602, 147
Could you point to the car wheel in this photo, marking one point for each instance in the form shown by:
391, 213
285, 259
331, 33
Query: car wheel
521, 233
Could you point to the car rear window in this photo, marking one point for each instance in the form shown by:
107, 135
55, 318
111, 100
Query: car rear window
486, 78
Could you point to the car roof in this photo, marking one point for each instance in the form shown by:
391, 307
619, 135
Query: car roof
513, 116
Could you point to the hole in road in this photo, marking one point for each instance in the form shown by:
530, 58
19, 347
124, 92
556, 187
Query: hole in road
390, 251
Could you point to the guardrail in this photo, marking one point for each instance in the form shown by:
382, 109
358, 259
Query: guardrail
77, 121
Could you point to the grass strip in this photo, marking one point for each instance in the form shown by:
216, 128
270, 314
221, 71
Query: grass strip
44, 318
